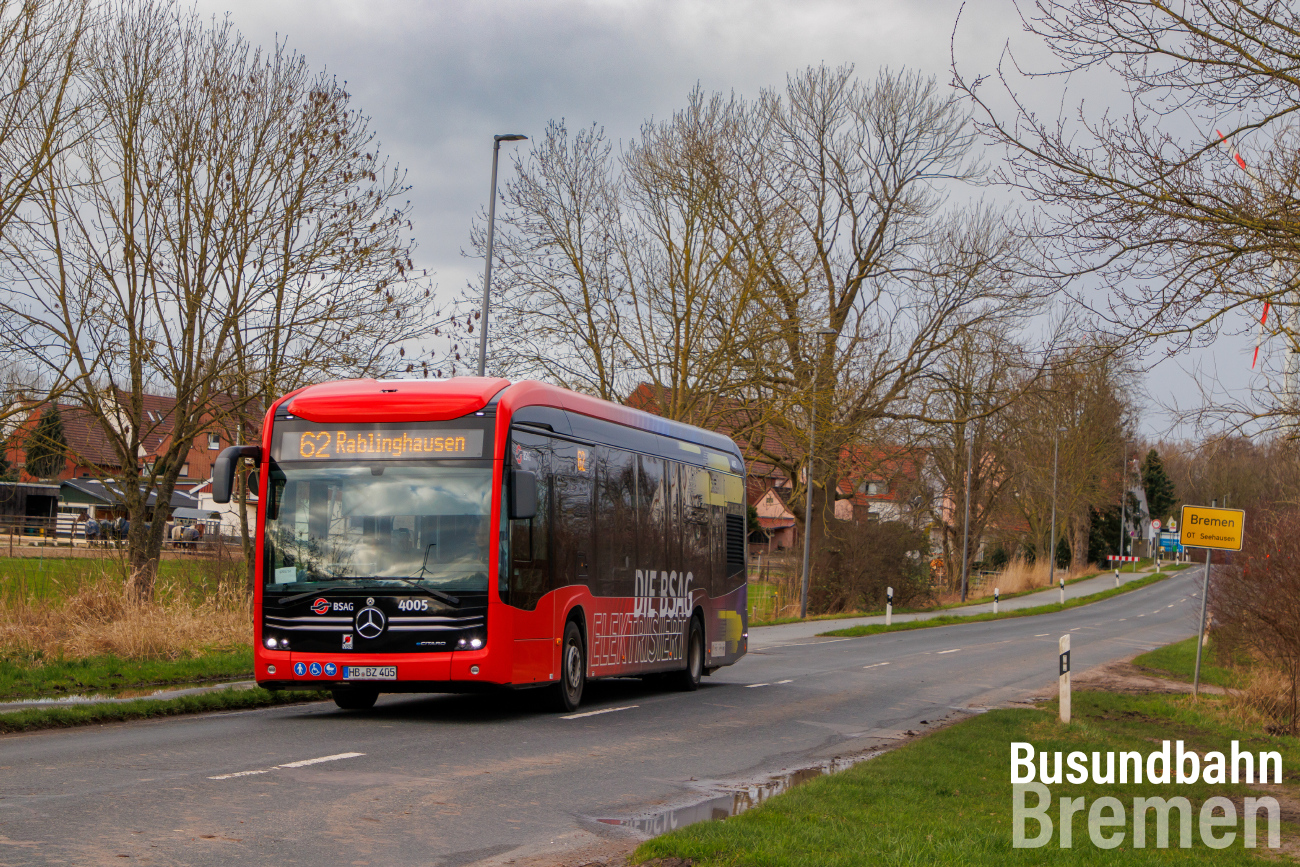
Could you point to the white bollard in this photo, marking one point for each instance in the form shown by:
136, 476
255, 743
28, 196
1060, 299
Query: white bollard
1062, 591
995, 600
889, 606
1064, 666
1116, 577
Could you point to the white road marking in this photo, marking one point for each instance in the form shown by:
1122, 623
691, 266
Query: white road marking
299, 764
875, 665
954, 650
779, 682
1141, 615
599, 712
752, 685
807, 643
1042, 635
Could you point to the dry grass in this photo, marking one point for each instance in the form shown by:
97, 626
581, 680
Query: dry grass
1020, 575
91, 616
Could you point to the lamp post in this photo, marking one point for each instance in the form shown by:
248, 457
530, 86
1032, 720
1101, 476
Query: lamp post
487, 270
1123, 500
1051, 554
807, 511
965, 527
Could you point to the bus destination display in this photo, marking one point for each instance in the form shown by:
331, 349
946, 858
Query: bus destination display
379, 444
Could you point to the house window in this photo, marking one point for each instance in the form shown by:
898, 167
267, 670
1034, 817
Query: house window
185, 469
214, 442
874, 489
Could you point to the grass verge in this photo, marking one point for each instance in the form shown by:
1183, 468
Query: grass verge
231, 699
22, 678
952, 619
946, 798
1177, 661
982, 600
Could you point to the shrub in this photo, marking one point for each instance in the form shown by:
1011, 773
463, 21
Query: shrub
858, 561
1255, 604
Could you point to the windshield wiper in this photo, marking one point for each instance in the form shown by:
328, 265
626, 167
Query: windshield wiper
424, 567
429, 591
286, 600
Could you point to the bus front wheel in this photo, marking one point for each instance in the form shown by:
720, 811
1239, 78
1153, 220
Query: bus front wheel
355, 699
573, 670
688, 679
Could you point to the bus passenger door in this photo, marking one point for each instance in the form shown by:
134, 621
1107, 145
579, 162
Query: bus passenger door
531, 604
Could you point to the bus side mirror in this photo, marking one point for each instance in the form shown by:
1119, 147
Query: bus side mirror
523, 495
223, 471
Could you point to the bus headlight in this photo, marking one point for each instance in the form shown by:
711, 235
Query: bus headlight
271, 643
476, 643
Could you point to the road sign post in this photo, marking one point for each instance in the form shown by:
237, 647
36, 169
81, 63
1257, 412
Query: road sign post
1214, 530
889, 606
1063, 646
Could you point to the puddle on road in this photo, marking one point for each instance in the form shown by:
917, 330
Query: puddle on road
122, 695
734, 799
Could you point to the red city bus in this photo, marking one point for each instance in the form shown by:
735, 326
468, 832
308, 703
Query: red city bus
471, 534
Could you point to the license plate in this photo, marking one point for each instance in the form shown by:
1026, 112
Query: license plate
370, 672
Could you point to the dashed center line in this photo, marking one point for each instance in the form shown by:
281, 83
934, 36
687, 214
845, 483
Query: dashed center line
875, 665
779, 682
954, 650
1042, 635
753, 685
299, 764
599, 712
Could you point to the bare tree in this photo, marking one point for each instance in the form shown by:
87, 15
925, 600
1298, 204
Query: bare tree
974, 382
559, 284
1065, 443
1152, 205
41, 56
873, 252
158, 248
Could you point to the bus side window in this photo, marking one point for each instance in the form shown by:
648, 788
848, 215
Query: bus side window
676, 524
616, 531
695, 528
652, 514
573, 468
530, 561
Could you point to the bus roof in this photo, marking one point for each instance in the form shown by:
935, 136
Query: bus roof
406, 400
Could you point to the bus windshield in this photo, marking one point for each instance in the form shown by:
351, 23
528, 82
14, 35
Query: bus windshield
378, 526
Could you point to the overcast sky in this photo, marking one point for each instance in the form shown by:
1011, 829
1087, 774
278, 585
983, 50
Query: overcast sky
440, 78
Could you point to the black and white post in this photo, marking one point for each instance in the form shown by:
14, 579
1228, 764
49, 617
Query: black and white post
1063, 646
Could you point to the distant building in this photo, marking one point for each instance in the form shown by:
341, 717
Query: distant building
91, 454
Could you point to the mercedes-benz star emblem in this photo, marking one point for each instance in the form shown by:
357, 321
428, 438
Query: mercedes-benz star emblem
370, 623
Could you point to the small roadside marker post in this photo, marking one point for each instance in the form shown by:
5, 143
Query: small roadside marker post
1117, 577
1062, 591
1063, 646
889, 606
995, 600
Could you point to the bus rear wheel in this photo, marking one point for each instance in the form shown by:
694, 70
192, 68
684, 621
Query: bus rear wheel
573, 670
688, 679
355, 699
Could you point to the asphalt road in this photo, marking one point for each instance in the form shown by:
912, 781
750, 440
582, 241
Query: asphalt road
455, 780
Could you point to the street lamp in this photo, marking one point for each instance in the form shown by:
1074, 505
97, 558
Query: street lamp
1051, 554
965, 529
807, 511
487, 271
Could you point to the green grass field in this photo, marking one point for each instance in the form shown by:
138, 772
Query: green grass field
953, 619
1178, 662
23, 679
50, 578
946, 798
233, 699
